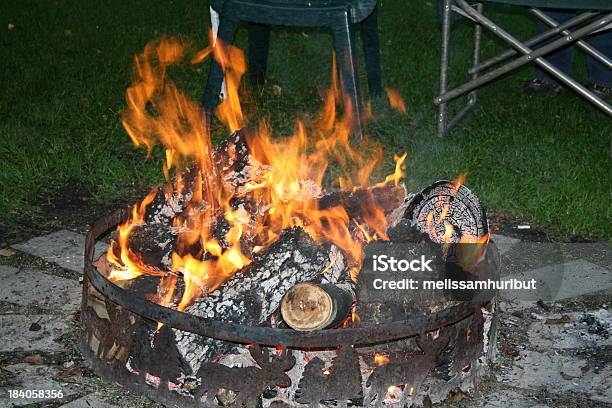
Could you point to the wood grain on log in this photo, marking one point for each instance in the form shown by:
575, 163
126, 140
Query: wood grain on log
310, 306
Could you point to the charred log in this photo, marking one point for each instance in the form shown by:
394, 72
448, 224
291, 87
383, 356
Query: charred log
360, 202
447, 203
253, 296
154, 243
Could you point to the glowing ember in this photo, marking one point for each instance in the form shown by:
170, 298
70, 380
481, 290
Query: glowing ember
381, 359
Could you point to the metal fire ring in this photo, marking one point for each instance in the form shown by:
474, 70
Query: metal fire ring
238, 333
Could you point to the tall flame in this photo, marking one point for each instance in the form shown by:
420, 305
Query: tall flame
286, 177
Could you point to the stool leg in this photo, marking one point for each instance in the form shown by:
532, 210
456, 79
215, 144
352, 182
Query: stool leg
259, 42
210, 99
371, 51
344, 45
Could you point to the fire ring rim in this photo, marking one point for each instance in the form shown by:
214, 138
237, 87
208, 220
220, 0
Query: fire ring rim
244, 334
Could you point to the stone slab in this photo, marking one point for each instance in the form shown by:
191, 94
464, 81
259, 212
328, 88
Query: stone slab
558, 282
34, 377
561, 375
64, 248
504, 243
583, 277
16, 334
35, 288
505, 399
94, 400
579, 333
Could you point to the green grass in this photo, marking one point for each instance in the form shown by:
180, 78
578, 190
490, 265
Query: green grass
66, 65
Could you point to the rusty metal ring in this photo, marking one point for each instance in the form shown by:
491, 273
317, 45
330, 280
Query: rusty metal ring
237, 333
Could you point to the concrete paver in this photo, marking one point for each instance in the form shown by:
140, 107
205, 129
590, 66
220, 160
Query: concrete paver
36, 288
64, 248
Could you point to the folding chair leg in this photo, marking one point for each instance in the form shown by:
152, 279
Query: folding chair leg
371, 52
444, 124
344, 45
259, 44
446, 28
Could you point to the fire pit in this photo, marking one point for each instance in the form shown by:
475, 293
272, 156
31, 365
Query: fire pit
243, 283
421, 358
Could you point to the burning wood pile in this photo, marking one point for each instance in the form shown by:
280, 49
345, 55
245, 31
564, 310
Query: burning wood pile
247, 234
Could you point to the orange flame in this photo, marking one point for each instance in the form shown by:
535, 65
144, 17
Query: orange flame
381, 359
285, 176
395, 100
129, 265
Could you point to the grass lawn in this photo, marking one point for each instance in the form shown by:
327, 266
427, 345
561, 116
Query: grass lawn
66, 65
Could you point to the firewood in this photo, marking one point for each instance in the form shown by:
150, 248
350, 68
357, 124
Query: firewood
230, 160
360, 202
311, 306
253, 296
154, 243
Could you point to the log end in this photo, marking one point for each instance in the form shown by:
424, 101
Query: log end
308, 307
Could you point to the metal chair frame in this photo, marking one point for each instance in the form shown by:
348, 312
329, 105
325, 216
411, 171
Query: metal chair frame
569, 33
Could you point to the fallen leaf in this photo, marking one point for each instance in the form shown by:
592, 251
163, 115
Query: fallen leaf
562, 320
543, 305
509, 350
7, 252
457, 395
72, 374
34, 359
518, 313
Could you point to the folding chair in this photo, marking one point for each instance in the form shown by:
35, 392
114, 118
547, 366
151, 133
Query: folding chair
481, 73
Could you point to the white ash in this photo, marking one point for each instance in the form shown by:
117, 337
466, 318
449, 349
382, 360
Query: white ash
173, 205
488, 320
337, 266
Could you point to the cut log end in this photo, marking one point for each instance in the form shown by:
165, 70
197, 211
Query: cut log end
309, 306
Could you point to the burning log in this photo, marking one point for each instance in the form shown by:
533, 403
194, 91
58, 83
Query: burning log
310, 306
156, 241
358, 203
253, 296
